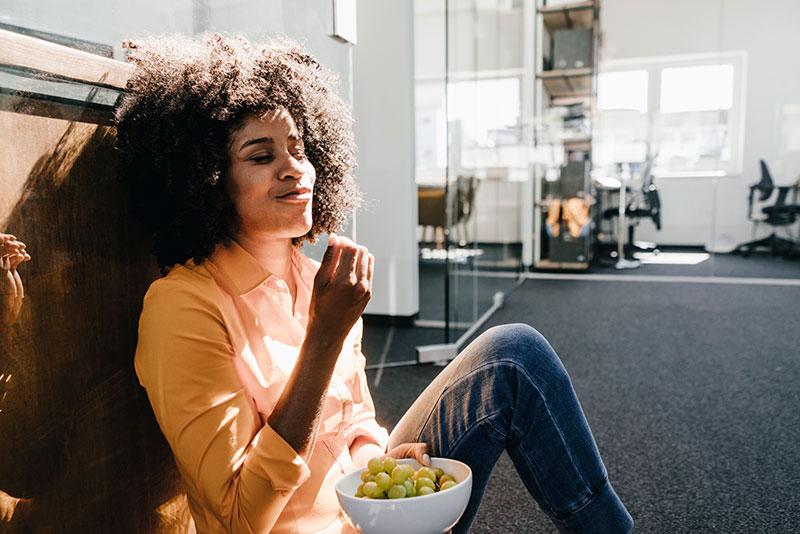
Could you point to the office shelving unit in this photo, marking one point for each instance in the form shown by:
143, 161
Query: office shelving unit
561, 87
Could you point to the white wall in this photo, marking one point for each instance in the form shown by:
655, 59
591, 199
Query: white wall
768, 33
383, 97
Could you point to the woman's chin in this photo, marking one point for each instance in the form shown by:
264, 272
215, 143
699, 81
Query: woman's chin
301, 230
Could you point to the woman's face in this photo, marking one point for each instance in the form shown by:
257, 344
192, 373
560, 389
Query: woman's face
270, 180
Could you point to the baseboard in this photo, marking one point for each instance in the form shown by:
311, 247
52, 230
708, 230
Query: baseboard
401, 321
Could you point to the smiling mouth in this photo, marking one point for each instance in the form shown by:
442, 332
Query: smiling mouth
296, 196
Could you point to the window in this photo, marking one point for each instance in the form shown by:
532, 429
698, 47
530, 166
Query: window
687, 112
482, 119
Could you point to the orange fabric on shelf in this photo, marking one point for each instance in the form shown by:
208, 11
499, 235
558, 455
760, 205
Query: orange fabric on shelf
217, 343
575, 212
554, 216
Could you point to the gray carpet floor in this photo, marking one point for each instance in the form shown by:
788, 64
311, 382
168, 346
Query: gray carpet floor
692, 392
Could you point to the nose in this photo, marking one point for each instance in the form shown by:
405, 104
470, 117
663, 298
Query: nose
291, 169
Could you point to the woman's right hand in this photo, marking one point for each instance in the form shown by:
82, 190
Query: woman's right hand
342, 288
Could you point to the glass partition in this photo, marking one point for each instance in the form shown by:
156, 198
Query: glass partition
471, 160
487, 161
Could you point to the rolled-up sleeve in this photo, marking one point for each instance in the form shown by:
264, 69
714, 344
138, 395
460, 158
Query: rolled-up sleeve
363, 422
241, 471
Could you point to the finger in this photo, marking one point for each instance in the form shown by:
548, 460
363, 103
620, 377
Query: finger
421, 454
370, 270
329, 259
18, 284
16, 259
362, 265
347, 261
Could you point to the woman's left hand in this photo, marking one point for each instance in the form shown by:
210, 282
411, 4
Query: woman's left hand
12, 253
418, 451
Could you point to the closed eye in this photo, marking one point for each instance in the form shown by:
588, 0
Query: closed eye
266, 158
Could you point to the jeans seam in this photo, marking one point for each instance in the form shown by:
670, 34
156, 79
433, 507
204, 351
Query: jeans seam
593, 494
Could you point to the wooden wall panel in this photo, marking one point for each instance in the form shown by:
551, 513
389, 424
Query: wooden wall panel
77, 435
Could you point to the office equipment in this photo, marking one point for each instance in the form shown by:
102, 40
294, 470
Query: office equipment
572, 48
566, 79
645, 204
779, 214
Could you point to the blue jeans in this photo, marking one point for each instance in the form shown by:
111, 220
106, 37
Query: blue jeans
508, 390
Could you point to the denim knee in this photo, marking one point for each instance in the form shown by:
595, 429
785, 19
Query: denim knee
528, 349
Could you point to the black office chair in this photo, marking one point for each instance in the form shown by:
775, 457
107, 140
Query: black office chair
466, 186
646, 204
778, 214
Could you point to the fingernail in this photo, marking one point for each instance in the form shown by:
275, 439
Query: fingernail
426, 459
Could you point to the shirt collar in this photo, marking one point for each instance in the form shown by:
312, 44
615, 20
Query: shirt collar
242, 270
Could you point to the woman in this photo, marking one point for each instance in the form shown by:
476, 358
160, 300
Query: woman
250, 352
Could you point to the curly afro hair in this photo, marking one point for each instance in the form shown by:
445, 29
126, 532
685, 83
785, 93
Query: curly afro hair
175, 122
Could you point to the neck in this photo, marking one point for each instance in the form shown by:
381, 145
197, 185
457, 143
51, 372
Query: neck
274, 254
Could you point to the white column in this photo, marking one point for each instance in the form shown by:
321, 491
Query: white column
383, 103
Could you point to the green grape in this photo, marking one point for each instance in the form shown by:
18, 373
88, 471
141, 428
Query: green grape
447, 485
397, 491
375, 465
366, 476
424, 483
424, 490
371, 490
383, 480
411, 490
438, 471
360, 491
399, 474
389, 464
426, 472
444, 478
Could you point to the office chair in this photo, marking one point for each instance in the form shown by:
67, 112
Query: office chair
466, 186
647, 204
777, 215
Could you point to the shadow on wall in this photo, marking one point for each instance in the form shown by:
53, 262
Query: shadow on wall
77, 435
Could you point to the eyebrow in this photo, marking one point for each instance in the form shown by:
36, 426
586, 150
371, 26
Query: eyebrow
264, 140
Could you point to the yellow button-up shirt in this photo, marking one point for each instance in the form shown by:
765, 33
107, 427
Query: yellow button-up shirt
217, 343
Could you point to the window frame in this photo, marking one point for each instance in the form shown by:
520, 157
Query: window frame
736, 121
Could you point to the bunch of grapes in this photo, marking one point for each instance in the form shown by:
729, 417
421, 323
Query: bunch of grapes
384, 478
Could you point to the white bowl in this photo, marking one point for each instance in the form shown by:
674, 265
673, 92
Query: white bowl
428, 514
